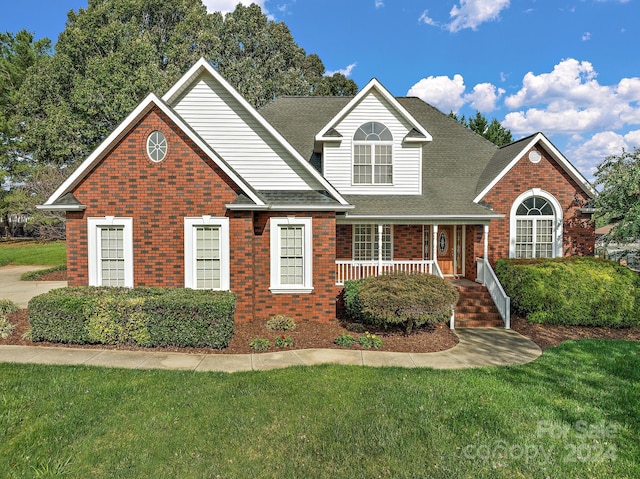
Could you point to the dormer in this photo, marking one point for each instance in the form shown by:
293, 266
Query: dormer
373, 146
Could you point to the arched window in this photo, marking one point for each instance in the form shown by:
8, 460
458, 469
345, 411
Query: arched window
372, 155
536, 226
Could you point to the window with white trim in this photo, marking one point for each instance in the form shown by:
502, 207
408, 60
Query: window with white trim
366, 241
291, 255
206, 253
372, 155
535, 235
110, 251
156, 146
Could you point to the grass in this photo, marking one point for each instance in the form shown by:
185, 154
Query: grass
52, 253
575, 412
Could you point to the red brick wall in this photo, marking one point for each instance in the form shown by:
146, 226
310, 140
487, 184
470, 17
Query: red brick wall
578, 230
344, 242
158, 196
407, 242
474, 248
319, 305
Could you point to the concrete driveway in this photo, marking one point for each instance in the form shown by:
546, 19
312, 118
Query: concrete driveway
20, 292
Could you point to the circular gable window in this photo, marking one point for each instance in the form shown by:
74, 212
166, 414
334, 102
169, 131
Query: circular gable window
156, 146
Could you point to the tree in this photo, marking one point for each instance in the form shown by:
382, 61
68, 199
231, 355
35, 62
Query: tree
115, 52
109, 57
618, 202
494, 131
18, 53
336, 85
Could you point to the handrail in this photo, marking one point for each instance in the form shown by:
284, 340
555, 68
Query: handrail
437, 271
503, 302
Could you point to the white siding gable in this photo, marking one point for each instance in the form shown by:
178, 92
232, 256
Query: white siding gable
407, 158
239, 139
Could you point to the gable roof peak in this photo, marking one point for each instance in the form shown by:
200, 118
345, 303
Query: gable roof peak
373, 84
509, 155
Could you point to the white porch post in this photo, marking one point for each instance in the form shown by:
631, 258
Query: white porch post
486, 252
379, 250
434, 244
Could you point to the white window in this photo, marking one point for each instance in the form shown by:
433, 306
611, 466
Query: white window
110, 250
372, 155
366, 241
206, 253
156, 146
536, 226
291, 250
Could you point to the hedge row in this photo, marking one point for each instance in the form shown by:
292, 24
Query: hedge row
141, 316
573, 291
406, 300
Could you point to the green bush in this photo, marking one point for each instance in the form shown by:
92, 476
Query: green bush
369, 341
142, 316
573, 291
259, 344
407, 300
345, 340
7, 307
280, 322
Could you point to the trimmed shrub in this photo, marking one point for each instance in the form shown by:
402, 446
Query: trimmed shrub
280, 322
6, 307
407, 300
572, 291
142, 316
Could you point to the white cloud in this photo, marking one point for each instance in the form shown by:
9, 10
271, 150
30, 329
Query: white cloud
586, 36
442, 92
425, 18
379, 3
589, 154
472, 13
345, 71
484, 97
570, 99
226, 6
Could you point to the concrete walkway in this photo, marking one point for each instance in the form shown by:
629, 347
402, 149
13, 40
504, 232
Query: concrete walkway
477, 347
20, 292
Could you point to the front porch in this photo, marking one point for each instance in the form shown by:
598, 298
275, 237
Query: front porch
448, 250
452, 251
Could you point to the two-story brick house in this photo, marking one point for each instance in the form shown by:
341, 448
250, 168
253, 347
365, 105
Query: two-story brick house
199, 189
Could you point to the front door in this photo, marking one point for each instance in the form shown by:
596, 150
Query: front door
444, 245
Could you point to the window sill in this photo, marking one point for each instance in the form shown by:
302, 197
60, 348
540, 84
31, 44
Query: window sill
290, 290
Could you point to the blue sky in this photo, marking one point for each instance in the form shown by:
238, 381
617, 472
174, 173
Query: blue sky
568, 68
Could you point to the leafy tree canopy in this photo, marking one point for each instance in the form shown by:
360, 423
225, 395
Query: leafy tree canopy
618, 203
492, 131
18, 53
56, 108
114, 52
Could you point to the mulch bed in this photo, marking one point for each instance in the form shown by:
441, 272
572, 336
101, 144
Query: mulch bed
547, 336
309, 335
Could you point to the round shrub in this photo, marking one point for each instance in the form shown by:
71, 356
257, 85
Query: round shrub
406, 300
572, 291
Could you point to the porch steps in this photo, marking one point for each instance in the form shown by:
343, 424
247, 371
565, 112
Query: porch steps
475, 308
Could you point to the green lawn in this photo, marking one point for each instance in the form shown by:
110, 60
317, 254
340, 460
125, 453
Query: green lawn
573, 413
53, 253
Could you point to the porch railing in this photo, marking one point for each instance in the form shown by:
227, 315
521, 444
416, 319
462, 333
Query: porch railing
347, 270
488, 278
